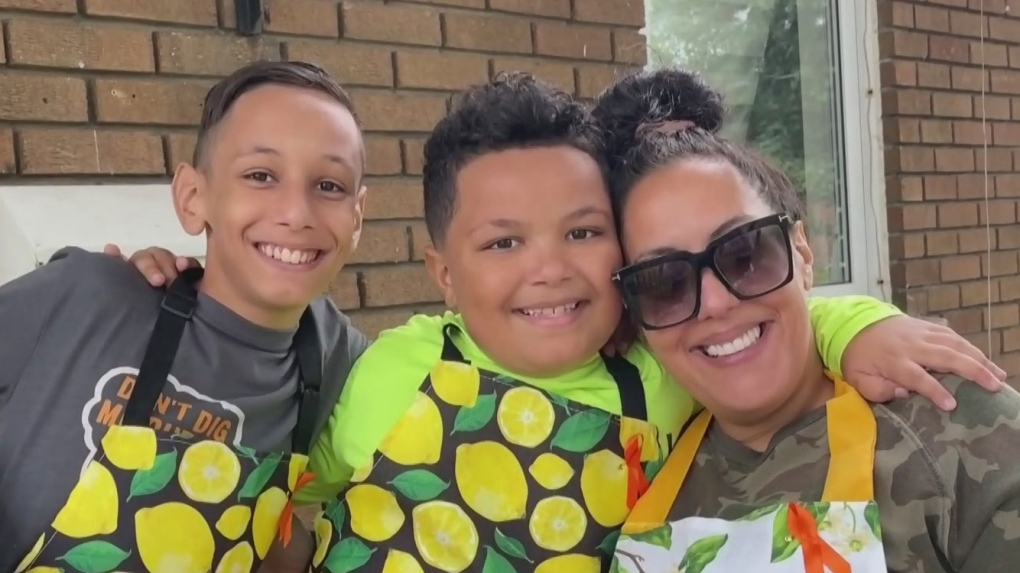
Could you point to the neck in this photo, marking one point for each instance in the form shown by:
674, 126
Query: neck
756, 430
215, 285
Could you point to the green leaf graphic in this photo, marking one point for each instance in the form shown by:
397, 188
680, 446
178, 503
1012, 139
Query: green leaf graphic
652, 468
504, 380
660, 537
702, 552
337, 513
581, 432
511, 546
615, 566
347, 555
154, 479
258, 478
496, 563
247, 452
419, 485
760, 512
783, 544
608, 545
560, 400
470, 419
95, 557
871, 516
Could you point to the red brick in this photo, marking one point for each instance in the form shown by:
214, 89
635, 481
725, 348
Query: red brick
8, 162
488, 32
414, 155
391, 23
458, 3
960, 268
550, 8
404, 284
904, 189
345, 291
989, 54
906, 246
969, 79
954, 159
997, 159
931, 75
970, 133
623, 12
992, 107
941, 243
911, 159
1006, 134
979, 292
949, 49
967, 24
574, 41
931, 19
593, 78
952, 105
1007, 185
1005, 81
306, 17
383, 154
394, 199
975, 240
898, 14
42, 98
1002, 315
419, 240
67, 44
936, 131
940, 187
181, 147
388, 111
149, 101
383, 242
351, 64
998, 212
906, 102
1003, 263
919, 272
556, 73
440, 70
971, 186
629, 47
957, 215
90, 152
210, 54
63, 6
911, 217
943, 297
195, 12
965, 321
1004, 29
904, 44
895, 73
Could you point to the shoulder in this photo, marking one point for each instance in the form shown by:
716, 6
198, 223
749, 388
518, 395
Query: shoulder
411, 347
340, 340
97, 274
670, 406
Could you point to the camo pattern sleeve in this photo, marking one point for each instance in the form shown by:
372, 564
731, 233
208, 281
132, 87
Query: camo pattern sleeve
947, 484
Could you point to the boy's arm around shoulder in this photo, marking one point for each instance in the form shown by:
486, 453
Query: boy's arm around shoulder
837, 320
381, 386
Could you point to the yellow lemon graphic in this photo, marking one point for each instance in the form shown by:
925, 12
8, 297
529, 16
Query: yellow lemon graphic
45, 569
525, 417
570, 564
36, 550
418, 436
174, 538
361, 474
375, 514
209, 472
92, 507
551, 471
558, 523
298, 464
455, 383
239, 559
234, 521
630, 427
491, 481
323, 535
604, 487
445, 536
130, 447
400, 562
266, 520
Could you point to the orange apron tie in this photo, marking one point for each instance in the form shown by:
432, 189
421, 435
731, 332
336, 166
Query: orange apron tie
637, 481
818, 554
287, 516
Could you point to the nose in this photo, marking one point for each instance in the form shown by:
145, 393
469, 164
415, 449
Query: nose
294, 206
550, 265
716, 300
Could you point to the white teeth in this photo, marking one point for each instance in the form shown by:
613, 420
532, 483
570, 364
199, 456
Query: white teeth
554, 311
734, 346
285, 255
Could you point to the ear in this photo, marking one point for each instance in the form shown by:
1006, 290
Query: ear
435, 262
803, 258
359, 216
189, 195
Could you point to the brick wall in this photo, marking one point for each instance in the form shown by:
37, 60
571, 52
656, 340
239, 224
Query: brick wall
106, 90
940, 226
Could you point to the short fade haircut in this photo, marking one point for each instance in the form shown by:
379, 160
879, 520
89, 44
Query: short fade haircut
225, 93
513, 111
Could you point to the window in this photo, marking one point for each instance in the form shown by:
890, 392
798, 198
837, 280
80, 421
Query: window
789, 72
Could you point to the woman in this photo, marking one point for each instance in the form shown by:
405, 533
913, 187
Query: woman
788, 469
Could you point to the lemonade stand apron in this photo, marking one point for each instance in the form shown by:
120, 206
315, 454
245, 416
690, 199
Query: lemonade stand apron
839, 534
161, 504
484, 473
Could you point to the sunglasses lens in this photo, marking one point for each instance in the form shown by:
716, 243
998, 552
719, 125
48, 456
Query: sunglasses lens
663, 295
756, 262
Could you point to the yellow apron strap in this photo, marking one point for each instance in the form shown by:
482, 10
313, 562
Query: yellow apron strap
653, 508
852, 437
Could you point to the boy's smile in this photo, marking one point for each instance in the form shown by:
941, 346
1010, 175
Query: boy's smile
528, 256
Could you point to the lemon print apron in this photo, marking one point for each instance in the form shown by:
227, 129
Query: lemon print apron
484, 473
839, 534
160, 504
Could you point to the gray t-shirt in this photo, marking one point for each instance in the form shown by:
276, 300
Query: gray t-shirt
72, 336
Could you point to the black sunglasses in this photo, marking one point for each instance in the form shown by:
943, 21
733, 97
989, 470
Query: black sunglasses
751, 260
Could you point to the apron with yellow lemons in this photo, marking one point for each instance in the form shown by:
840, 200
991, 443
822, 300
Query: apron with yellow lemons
839, 534
159, 504
484, 473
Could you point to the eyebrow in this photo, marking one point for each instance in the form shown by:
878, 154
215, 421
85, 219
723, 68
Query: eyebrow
514, 224
264, 150
718, 232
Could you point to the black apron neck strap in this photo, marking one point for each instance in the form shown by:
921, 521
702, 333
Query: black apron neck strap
176, 310
450, 351
628, 383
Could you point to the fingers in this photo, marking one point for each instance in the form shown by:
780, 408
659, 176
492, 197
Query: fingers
185, 263
910, 376
113, 251
157, 265
951, 353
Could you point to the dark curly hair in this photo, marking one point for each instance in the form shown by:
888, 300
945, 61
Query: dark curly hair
513, 111
653, 118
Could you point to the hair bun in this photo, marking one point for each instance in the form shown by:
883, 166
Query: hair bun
665, 97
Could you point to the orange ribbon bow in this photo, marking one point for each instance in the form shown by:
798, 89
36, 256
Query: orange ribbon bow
818, 554
287, 517
637, 481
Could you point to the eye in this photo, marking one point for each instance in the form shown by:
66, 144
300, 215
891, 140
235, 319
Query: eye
259, 176
582, 234
330, 187
501, 244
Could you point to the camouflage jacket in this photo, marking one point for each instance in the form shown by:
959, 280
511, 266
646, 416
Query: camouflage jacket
947, 484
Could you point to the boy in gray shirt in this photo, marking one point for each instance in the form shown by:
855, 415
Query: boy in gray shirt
276, 186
